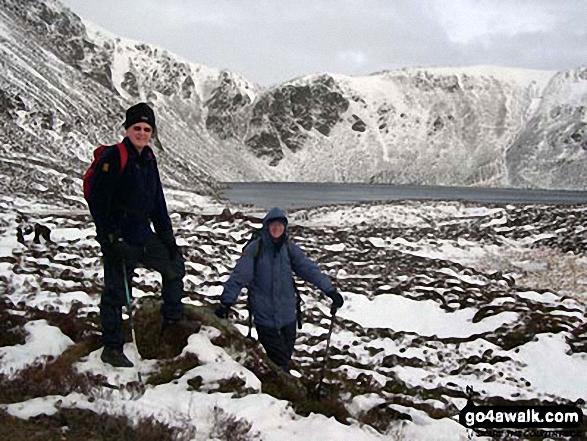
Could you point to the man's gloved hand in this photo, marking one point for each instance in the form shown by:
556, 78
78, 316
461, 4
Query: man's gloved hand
118, 248
223, 311
337, 300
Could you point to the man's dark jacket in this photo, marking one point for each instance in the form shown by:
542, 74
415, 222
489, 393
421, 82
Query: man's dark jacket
124, 204
272, 289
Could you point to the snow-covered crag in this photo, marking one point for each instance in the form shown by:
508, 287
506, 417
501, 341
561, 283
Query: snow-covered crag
550, 150
64, 85
434, 126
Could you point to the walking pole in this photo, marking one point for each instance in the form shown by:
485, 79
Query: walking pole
129, 309
325, 359
128, 302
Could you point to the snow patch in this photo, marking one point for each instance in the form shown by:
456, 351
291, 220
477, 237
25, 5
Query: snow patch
425, 317
42, 341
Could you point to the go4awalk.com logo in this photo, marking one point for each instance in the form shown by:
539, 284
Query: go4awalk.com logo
519, 417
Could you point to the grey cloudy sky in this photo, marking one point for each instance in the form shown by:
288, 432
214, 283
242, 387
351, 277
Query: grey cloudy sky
270, 41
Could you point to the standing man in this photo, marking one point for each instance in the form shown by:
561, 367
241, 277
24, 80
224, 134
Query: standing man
125, 198
266, 267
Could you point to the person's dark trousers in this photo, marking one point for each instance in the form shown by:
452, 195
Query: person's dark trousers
278, 343
153, 255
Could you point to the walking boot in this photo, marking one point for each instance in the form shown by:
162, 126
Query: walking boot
115, 357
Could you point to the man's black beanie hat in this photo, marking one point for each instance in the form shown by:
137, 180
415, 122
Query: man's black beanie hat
140, 112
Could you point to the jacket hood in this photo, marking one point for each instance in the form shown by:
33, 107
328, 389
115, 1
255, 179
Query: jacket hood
274, 214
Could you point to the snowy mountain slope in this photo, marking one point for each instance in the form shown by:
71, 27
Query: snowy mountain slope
552, 147
64, 88
185, 96
66, 83
443, 126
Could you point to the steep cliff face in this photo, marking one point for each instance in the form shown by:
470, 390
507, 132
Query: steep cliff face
64, 88
551, 149
65, 85
224, 109
284, 117
434, 126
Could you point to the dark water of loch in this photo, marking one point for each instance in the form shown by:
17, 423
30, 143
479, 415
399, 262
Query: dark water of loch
290, 195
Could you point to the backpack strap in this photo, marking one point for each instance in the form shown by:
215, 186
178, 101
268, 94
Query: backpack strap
123, 153
91, 171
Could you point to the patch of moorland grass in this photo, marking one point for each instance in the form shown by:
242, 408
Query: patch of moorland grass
147, 322
577, 339
86, 425
398, 392
54, 376
326, 398
533, 323
12, 336
234, 385
385, 419
75, 326
170, 370
328, 405
553, 270
231, 384
501, 401
227, 427
11, 326
195, 383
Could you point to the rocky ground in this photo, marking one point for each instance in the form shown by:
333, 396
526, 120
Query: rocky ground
439, 296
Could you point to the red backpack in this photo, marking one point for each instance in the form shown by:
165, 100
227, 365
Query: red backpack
89, 174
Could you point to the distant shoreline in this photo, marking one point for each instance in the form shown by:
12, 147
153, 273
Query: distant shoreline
312, 194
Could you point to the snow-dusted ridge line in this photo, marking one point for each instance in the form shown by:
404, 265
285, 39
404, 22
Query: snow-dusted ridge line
458, 126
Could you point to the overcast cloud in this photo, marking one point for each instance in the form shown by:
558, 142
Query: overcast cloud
270, 41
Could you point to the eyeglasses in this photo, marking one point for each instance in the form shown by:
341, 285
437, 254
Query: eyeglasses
144, 129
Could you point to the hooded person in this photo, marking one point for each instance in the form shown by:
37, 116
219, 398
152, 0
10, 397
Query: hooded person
127, 203
267, 266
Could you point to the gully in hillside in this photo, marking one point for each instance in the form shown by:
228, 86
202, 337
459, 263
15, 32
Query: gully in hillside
126, 200
267, 267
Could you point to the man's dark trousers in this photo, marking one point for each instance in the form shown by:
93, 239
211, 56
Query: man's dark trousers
278, 343
153, 255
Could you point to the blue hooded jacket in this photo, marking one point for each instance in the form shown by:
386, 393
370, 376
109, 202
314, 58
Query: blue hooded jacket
272, 290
